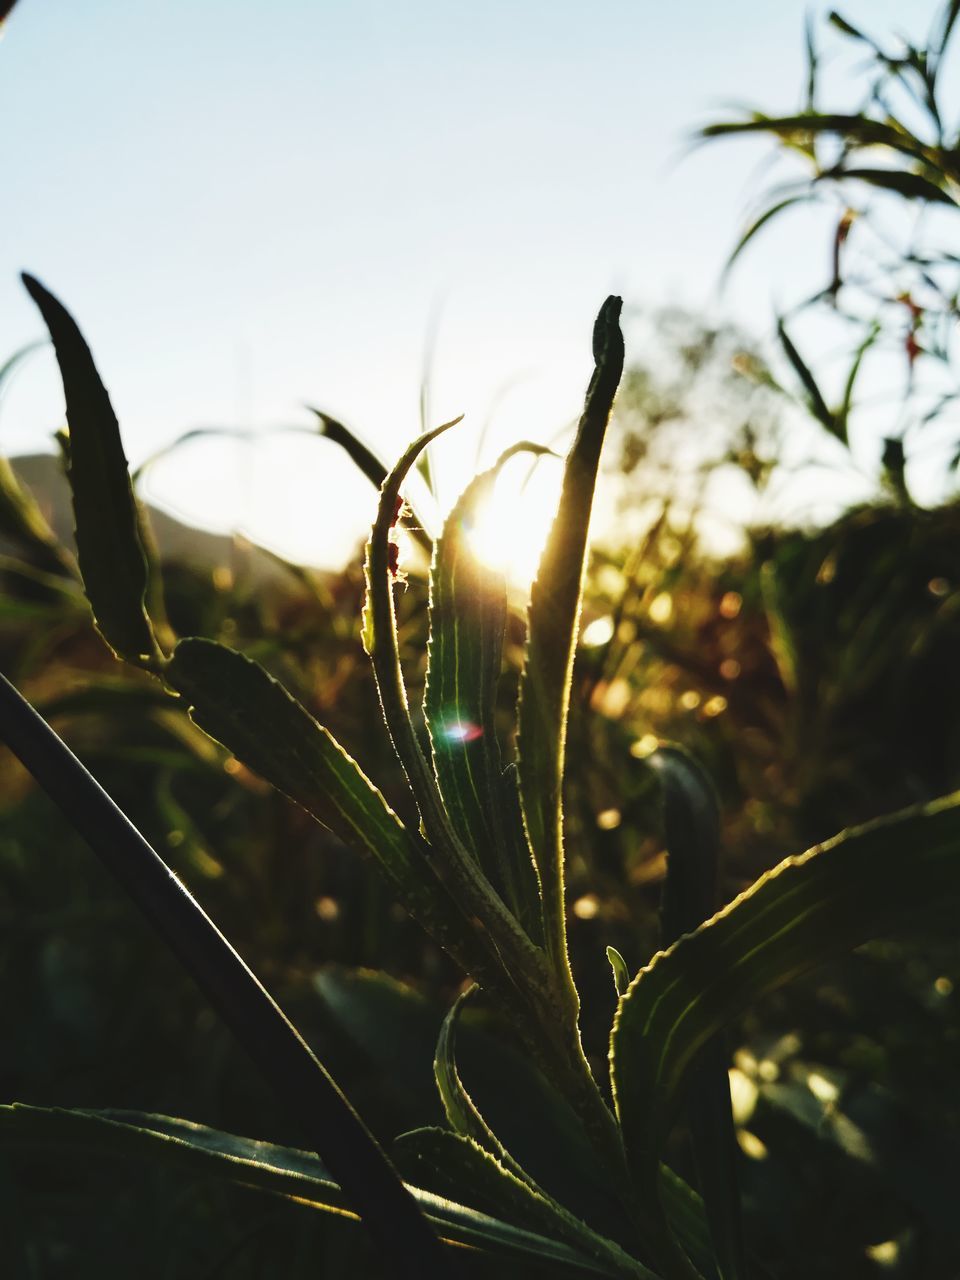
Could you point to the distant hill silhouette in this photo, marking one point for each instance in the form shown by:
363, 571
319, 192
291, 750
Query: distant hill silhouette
43, 474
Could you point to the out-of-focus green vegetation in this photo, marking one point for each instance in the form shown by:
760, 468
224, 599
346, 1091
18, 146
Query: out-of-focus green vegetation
813, 675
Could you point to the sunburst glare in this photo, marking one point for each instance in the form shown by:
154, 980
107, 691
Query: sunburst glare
511, 527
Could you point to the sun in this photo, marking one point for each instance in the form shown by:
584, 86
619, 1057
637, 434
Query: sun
511, 527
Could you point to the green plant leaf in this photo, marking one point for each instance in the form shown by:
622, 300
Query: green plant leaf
852, 129
837, 20
109, 550
912, 186
858, 886
621, 974
396, 1030
457, 1167
552, 622
468, 614
459, 1108
203, 1152
235, 701
949, 17
842, 416
815, 401
692, 831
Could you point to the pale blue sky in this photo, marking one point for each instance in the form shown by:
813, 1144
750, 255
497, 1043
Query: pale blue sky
250, 206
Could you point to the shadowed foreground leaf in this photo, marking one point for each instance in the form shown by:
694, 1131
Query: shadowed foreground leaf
205, 1152
692, 831
301, 1081
858, 886
459, 1167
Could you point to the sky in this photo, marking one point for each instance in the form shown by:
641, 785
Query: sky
250, 208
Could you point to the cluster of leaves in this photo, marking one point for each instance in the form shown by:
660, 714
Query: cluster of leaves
485, 875
891, 282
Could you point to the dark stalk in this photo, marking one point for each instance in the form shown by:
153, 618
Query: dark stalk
335, 1132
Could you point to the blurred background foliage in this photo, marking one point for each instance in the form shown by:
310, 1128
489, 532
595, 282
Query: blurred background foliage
811, 668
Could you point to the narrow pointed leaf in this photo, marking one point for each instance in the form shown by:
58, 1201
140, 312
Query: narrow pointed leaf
860, 885
621, 974
692, 831
459, 1108
111, 557
846, 405
950, 15
202, 1152
858, 129
235, 701
759, 222
457, 1167
468, 614
837, 20
553, 622
369, 464
395, 1030
467, 1122
912, 186
815, 401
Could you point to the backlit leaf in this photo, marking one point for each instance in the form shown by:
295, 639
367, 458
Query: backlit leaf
621, 974
553, 622
109, 550
235, 701
468, 614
